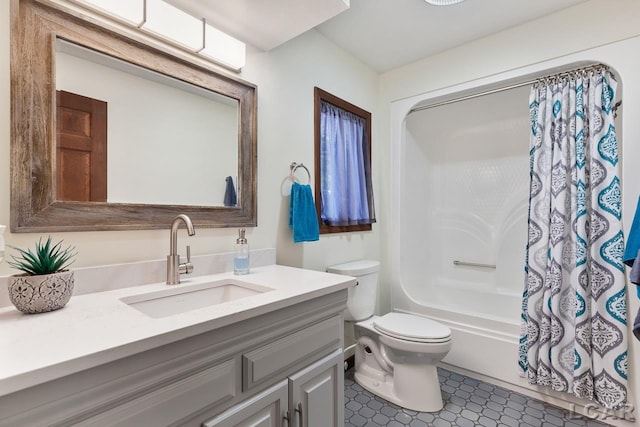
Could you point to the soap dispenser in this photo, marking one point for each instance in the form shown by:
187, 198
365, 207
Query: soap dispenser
241, 256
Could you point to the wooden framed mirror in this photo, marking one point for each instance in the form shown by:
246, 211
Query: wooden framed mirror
190, 178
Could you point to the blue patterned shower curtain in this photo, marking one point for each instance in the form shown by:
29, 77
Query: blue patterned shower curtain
573, 337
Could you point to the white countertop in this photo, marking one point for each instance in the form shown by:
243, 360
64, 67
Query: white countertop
97, 328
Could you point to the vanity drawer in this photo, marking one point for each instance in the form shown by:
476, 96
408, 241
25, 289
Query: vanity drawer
161, 394
288, 353
174, 401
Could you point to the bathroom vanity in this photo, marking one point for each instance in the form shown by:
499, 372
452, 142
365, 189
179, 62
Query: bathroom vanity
267, 352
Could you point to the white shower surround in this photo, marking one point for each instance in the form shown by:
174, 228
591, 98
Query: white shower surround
464, 199
485, 342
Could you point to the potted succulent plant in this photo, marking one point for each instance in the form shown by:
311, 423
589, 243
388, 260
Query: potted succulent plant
46, 283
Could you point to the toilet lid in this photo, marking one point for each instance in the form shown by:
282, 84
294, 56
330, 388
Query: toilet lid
412, 328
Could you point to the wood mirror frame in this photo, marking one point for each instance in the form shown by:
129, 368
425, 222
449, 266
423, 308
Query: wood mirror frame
34, 208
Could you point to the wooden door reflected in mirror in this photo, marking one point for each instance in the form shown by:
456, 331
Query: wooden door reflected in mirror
81, 148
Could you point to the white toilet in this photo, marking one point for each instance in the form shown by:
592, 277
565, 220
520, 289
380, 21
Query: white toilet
396, 354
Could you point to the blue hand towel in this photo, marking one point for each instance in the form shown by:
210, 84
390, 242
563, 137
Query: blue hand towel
633, 239
302, 214
634, 276
230, 198
632, 250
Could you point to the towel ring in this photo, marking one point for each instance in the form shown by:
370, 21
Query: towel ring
294, 166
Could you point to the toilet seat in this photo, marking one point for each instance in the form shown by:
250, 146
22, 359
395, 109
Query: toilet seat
412, 328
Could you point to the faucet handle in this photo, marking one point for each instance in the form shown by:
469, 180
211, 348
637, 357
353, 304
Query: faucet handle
187, 267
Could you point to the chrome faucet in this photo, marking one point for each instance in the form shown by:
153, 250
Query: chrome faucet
174, 267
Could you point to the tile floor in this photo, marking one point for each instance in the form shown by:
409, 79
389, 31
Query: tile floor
468, 403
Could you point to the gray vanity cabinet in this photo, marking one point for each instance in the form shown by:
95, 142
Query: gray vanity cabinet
252, 372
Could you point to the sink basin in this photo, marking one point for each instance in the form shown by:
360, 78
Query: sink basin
185, 297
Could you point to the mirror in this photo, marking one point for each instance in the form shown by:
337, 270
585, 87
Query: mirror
175, 132
196, 128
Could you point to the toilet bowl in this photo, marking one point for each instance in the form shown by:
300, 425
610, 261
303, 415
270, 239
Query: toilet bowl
396, 354
402, 368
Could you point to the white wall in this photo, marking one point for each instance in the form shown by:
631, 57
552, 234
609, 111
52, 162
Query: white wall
285, 78
597, 30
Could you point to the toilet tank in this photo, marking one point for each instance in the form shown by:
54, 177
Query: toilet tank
361, 302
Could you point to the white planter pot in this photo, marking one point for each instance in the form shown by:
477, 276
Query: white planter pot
39, 294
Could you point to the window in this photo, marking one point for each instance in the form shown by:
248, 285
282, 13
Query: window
344, 194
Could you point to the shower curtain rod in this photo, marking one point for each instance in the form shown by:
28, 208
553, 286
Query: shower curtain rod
513, 86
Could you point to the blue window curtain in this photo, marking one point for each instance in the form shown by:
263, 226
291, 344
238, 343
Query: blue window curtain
347, 196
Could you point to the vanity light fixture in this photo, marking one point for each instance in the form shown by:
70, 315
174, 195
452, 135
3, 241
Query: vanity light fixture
131, 12
220, 46
170, 24
443, 2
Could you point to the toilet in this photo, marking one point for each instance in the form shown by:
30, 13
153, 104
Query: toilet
396, 354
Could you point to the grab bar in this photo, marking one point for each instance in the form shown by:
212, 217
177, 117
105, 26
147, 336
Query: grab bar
473, 264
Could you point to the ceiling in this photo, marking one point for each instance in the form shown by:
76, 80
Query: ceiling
383, 34
386, 34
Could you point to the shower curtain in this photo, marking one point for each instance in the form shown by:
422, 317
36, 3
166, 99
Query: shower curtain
573, 337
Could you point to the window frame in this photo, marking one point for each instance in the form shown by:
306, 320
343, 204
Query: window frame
320, 96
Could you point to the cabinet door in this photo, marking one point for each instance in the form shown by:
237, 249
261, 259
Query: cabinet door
316, 393
266, 409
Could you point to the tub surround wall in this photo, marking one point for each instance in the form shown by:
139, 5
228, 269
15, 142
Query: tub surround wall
465, 181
